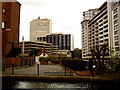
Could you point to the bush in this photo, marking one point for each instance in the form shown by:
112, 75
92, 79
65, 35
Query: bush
117, 68
52, 59
74, 64
113, 66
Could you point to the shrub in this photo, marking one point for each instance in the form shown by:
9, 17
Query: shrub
74, 64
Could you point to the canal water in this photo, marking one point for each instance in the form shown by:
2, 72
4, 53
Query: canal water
51, 85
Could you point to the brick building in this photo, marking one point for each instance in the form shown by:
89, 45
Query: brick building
10, 26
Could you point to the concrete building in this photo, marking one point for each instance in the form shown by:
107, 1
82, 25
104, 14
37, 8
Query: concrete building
63, 41
64, 54
10, 12
29, 45
104, 28
40, 27
87, 16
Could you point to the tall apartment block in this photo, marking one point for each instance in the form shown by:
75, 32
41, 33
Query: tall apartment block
102, 28
10, 25
87, 16
63, 41
39, 27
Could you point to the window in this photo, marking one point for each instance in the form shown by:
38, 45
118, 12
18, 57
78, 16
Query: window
116, 21
106, 35
4, 10
116, 38
115, 16
3, 24
106, 31
116, 32
116, 48
116, 43
115, 27
115, 10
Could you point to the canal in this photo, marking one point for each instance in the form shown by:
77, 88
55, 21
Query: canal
70, 85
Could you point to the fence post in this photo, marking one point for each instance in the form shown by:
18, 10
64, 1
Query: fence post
38, 69
23, 61
91, 66
65, 70
12, 68
3, 64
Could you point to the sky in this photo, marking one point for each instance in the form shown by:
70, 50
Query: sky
66, 15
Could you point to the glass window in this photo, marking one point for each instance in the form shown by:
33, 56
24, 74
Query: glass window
115, 16
116, 21
115, 27
115, 10
117, 48
4, 10
116, 38
116, 32
3, 24
116, 43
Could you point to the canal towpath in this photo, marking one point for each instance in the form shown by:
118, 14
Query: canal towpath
50, 70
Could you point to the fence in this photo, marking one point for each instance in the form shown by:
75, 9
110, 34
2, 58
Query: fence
18, 62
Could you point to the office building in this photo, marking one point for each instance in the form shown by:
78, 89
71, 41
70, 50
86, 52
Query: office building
10, 25
40, 27
27, 46
63, 41
104, 28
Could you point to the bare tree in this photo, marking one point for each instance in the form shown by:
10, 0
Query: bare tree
98, 55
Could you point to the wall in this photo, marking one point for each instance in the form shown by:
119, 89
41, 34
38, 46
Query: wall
10, 33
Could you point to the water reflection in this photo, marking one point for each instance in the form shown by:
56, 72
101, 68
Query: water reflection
50, 85
28, 85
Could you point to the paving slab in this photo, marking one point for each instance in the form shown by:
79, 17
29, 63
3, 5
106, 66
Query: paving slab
51, 70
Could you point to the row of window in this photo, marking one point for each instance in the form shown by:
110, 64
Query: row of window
3, 22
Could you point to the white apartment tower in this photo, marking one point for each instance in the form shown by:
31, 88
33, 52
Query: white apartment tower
103, 28
87, 16
40, 27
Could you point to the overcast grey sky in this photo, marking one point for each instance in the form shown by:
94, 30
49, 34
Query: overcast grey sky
66, 15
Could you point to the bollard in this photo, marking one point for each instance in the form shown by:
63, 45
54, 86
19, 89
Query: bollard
12, 69
38, 68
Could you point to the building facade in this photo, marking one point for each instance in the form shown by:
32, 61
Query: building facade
27, 46
104, 28
10, 25
39, 27
63, 41
87, 16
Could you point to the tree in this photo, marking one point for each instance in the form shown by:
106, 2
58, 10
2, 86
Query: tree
98, 53
33, 52
77, 53
114, 63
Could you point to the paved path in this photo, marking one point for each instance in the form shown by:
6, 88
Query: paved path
52, 70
